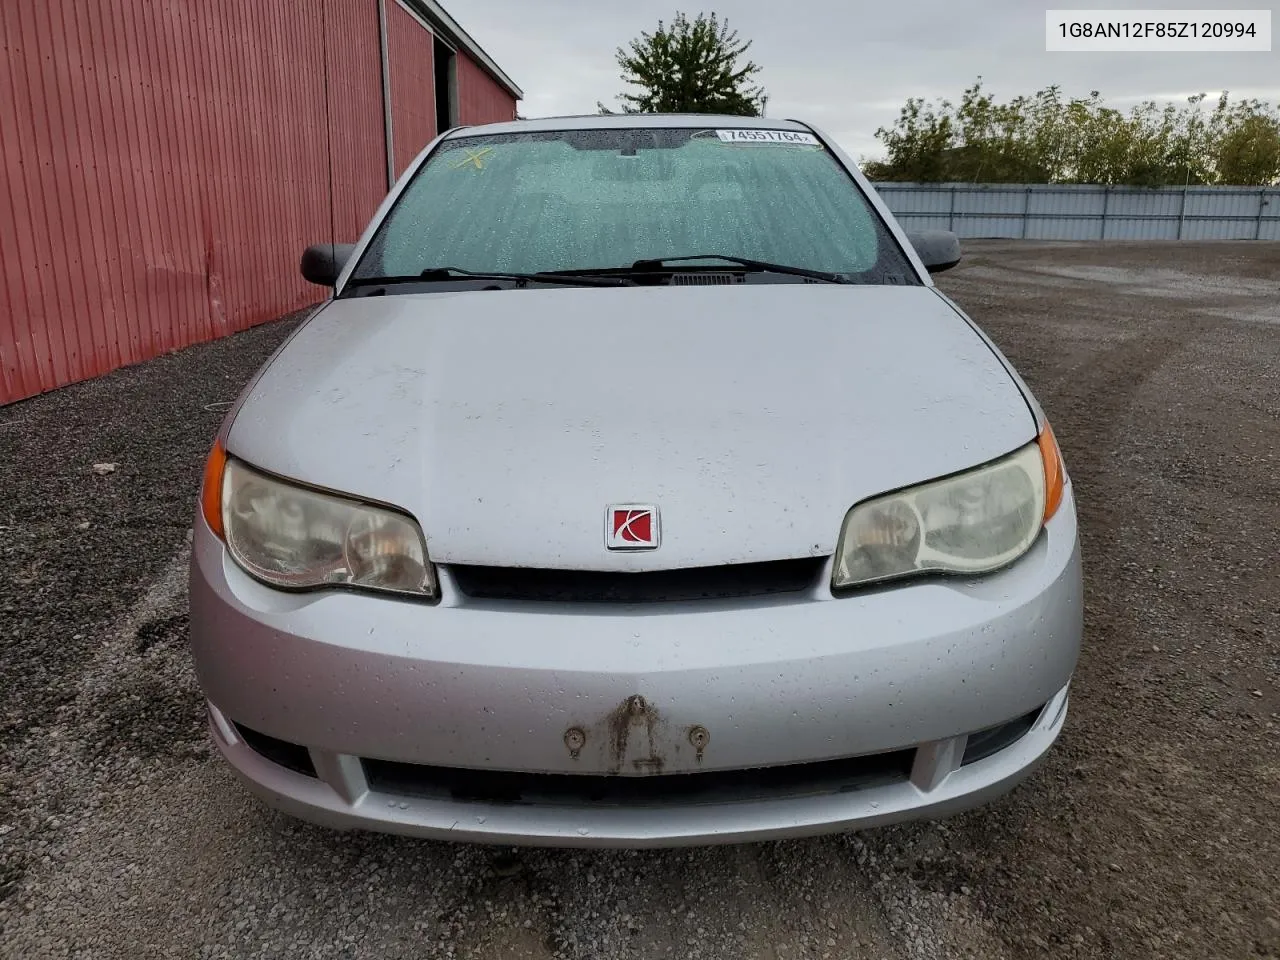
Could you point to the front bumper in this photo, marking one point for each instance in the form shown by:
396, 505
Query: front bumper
655, 689
340, 798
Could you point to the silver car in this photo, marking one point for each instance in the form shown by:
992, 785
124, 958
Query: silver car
635, 487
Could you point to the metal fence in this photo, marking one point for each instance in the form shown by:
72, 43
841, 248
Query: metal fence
1086, 211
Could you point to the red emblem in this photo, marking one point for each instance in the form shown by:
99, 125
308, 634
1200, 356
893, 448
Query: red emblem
631, 526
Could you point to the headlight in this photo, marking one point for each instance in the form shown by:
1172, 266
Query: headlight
290, 536
971, 523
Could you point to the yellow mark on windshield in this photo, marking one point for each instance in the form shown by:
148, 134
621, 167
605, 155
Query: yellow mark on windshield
474, 158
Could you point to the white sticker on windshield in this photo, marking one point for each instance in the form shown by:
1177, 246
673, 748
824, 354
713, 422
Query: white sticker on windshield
768, 136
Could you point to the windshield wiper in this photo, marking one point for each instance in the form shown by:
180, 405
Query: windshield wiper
437, 274
763, 266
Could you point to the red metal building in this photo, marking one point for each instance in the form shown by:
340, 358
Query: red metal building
163, 165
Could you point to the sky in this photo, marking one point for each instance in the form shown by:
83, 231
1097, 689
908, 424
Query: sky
847, 67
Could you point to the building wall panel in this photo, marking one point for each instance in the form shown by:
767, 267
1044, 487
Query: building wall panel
356, 136
413, 104
1086, 211
480, 98
163, 166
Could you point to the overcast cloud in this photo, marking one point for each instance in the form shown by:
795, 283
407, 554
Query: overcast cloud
848, 66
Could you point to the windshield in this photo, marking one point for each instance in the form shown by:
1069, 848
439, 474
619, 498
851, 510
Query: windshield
594, 199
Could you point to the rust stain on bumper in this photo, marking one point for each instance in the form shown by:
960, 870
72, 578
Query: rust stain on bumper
634, 716
632, 735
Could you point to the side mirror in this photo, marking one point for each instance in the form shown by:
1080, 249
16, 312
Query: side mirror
322, 263
938, 249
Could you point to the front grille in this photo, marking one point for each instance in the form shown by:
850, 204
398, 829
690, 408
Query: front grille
291, 756
729, 581
564, 789
992, 740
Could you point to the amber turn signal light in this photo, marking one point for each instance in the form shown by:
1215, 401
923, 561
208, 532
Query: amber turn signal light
211, 491
1054, 476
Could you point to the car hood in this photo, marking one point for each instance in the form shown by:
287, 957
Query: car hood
753, 416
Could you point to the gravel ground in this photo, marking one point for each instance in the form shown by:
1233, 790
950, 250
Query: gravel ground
1150, 832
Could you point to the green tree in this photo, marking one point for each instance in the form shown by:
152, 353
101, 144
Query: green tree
690, 66
918, 144
1246, 150
1046, 138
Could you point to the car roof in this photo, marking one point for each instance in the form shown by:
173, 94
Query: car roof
625, 121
